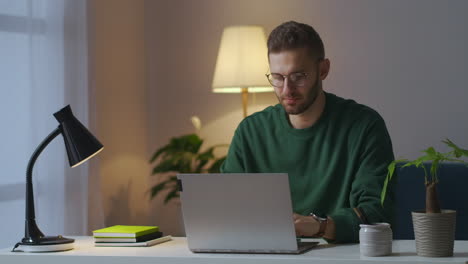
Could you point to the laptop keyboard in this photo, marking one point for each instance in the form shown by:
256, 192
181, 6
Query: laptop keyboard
301, 248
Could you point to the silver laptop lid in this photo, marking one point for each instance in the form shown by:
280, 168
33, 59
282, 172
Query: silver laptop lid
238, 212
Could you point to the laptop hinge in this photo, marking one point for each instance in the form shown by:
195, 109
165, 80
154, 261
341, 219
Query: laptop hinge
179, 184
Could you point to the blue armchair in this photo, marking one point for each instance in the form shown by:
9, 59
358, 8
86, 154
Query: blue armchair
411, 194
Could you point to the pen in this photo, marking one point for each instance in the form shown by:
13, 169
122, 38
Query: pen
361, 215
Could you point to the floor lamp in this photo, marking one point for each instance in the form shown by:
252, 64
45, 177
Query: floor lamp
242, 63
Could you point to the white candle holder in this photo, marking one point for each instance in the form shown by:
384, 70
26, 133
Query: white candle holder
375, 240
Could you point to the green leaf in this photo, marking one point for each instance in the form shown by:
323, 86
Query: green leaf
216, 167
182, 155
170, 182
177, 161
204, 158
431, 153
171, 195
200, 166
166, 166
186, 143
432, 157
159, 152
434, 169
207, 155
390, 172
158, 188
455, 160
189, 143
458, 152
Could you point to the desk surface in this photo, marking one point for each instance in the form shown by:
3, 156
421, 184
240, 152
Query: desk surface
176, 251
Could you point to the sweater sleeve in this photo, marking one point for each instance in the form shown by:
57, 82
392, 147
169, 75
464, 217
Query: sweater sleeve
374, 155
234, 161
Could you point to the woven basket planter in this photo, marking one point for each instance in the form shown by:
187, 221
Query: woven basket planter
434, 233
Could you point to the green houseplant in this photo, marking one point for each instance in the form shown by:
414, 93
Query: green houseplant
182, 155
434, 228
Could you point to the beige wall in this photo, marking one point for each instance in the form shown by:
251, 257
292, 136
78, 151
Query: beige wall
406, 59
155, 60
118, 70
182, 45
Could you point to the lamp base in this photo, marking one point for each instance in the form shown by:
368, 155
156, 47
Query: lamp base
47, 244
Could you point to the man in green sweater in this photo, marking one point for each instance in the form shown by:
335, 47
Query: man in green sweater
335, 151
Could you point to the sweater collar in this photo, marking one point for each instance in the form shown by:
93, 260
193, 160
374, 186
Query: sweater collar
306, 132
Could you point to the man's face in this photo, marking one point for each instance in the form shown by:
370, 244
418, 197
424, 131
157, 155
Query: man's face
296, 99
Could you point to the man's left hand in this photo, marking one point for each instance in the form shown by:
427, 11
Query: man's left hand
306, 225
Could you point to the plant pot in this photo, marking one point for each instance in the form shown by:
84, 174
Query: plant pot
434, 233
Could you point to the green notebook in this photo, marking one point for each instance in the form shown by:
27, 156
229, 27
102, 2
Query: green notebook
125, 231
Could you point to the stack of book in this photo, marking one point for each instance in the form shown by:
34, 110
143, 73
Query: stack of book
129, 236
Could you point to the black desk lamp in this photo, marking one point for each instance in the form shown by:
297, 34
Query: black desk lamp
81, 145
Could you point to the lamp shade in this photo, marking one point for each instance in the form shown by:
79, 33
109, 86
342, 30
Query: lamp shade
80, 144
242, 61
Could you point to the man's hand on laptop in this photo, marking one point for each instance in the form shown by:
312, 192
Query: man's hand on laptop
306, 226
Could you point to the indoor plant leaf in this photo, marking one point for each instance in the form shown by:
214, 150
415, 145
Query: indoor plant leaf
390, 172
182, 155
166, 166
204, 158
189, 143
158, 188
159, 152
166, 184
432, 158
216, 167
458, 152
171, 195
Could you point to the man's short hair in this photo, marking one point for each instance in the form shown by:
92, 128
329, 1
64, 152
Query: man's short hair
293, 35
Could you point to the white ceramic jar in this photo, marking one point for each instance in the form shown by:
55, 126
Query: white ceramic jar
375, 240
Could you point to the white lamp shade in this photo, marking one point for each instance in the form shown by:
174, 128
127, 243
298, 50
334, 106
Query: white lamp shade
242, 61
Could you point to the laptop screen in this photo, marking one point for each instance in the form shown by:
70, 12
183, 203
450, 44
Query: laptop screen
237, 212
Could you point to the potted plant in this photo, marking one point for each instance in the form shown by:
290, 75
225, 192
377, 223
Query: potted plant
182, 154
434, 228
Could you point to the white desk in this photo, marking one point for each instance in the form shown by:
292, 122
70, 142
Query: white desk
176, 252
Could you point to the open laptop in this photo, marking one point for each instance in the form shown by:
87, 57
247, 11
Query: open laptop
239, 213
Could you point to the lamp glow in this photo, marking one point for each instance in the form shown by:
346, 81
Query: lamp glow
242, 63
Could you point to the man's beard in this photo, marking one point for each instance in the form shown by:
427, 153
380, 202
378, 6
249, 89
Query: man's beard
310, 98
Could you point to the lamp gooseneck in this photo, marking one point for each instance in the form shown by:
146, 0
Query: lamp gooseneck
80, 145
32, 232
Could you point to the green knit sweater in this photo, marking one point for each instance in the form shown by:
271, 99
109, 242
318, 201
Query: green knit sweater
335, 165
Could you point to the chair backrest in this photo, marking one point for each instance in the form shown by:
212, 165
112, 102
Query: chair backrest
411, 194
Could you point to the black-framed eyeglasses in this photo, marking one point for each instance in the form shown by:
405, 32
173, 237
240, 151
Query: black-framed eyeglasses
295, 78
